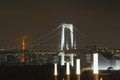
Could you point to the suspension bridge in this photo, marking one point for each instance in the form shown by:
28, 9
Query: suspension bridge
62, 44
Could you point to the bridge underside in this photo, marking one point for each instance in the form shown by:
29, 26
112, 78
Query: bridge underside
40, 58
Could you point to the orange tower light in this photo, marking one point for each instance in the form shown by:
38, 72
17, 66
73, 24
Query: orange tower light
22, 60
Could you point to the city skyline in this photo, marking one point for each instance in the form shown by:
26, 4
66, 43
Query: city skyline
99, 21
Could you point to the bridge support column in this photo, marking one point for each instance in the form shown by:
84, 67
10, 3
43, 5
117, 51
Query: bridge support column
68, 70
62, 54
72, 59
78, 68
95, 66
62, 59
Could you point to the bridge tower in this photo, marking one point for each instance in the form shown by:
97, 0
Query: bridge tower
67, 43
22, 60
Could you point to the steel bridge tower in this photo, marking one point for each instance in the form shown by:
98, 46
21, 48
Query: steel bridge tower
67, 43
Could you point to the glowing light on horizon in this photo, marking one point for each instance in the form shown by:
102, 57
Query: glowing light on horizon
78, 66
23, 45
95, 63
22, 60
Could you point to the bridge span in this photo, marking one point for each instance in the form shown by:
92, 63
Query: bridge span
63, 44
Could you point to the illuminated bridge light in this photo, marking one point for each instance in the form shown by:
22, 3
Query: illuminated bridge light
95, 63
101, 79
78, 66
55, 69
63, 37
68, 68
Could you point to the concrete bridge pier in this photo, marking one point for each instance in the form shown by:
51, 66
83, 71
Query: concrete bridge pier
63, 61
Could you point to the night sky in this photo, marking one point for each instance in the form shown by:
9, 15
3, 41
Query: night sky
99, 20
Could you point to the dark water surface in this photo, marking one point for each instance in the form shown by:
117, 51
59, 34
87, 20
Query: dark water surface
45, 72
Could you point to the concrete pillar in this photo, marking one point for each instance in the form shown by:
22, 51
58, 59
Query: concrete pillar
72, 59
78, 68
55, 71
95, 66
62, 59
68, 70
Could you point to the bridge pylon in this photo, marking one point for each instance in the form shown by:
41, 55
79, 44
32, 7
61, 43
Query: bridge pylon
67, 43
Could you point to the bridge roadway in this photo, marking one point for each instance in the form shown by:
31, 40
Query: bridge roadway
39, 56
13, 56
13, 51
